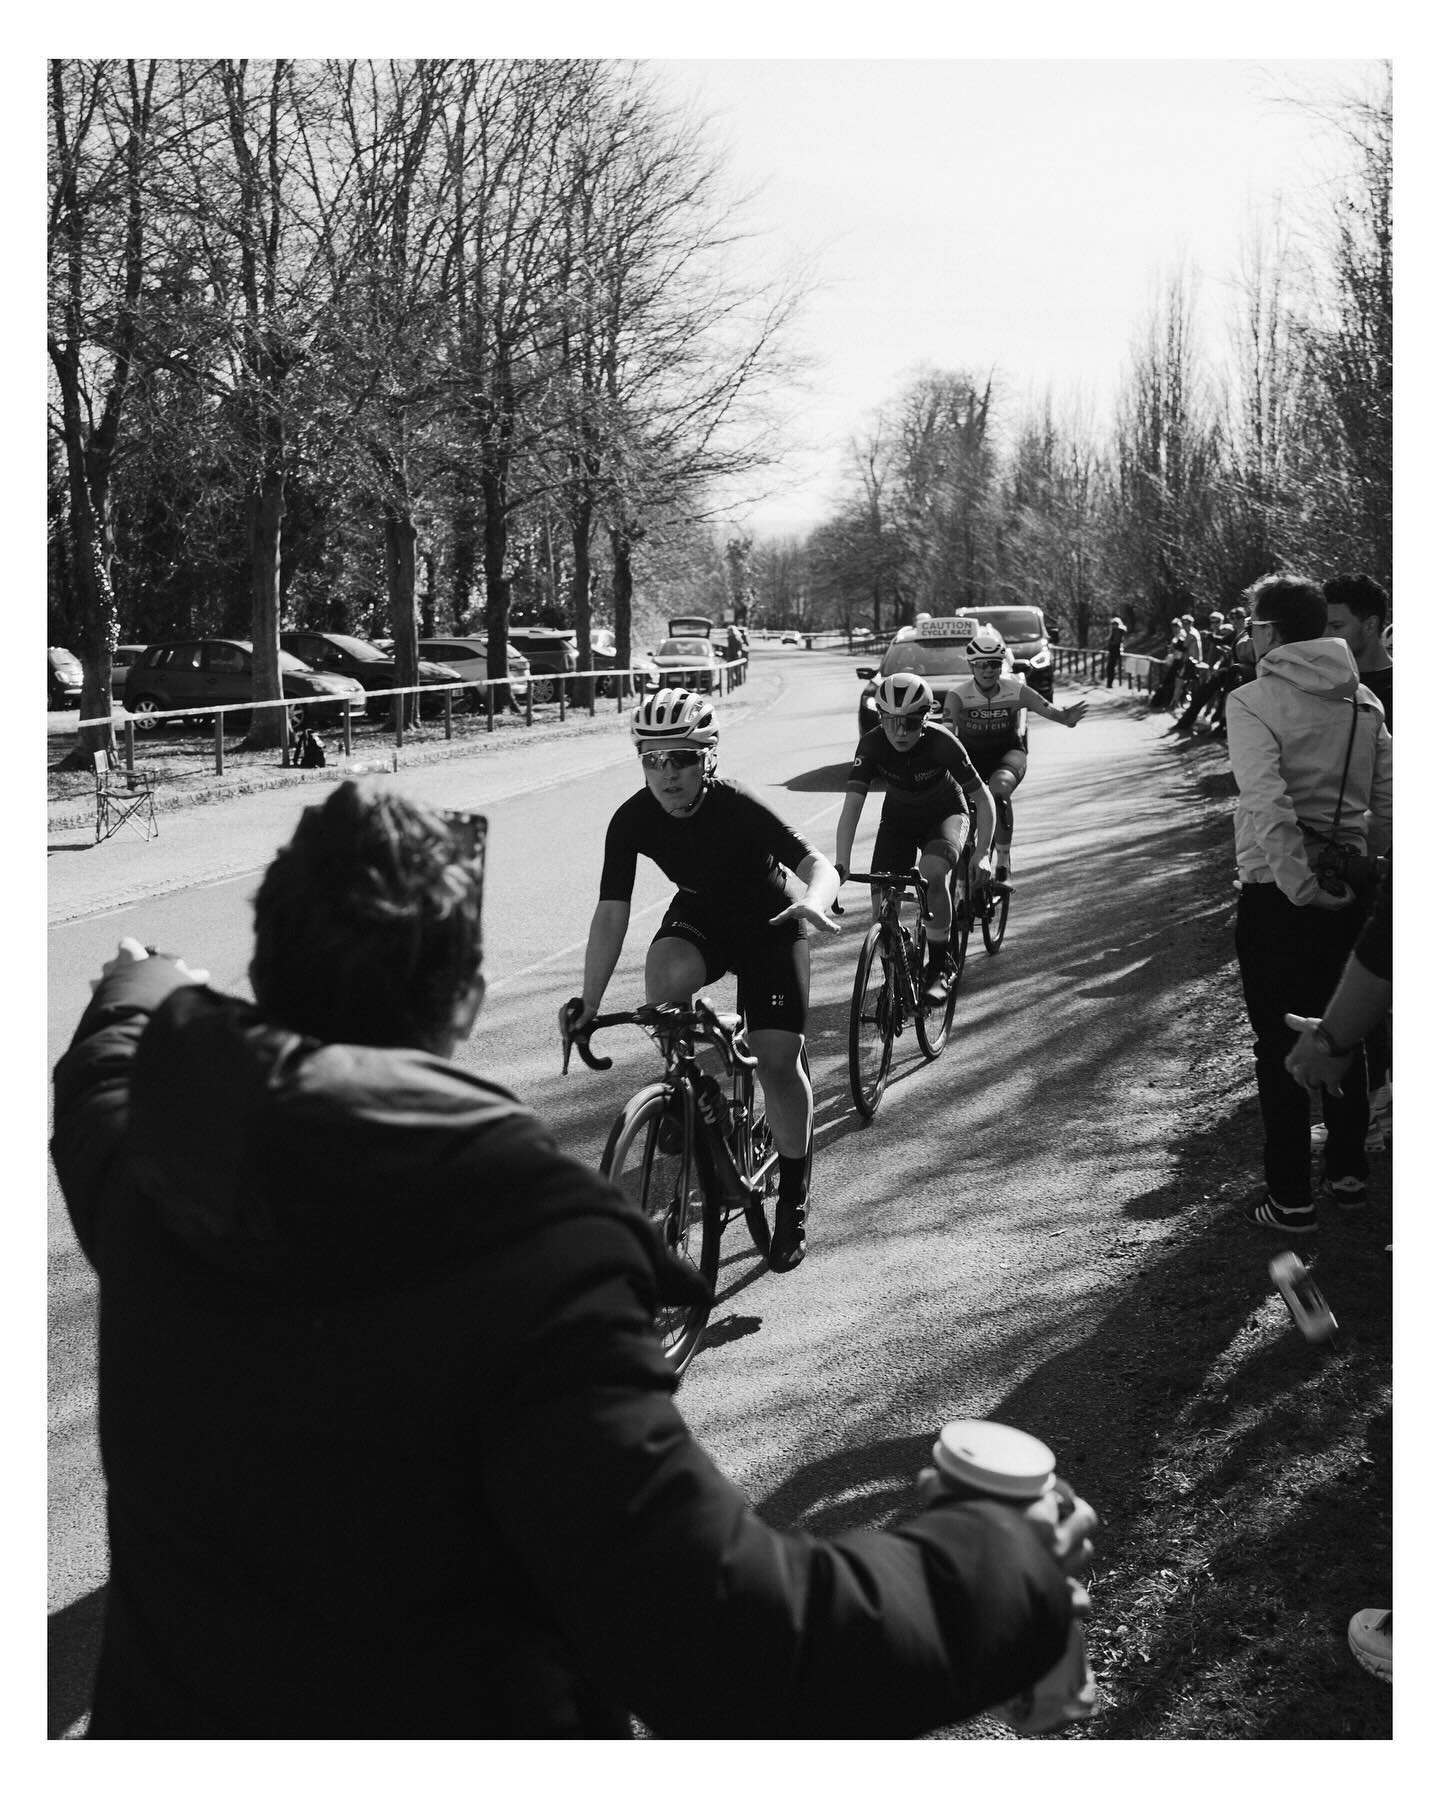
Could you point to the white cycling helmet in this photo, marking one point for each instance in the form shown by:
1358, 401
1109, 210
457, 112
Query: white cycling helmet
903, 695
986, 646
675, 717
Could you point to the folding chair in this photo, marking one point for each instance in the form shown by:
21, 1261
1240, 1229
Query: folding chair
122, 796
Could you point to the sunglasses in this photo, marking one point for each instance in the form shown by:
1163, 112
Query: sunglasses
680, 758
905, 725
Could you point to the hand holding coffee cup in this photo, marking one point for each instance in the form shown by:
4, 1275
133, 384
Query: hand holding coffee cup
987, 1459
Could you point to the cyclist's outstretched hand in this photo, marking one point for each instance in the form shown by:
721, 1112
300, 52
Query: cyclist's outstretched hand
574, 1014
128, 950
807, 913
1070, 714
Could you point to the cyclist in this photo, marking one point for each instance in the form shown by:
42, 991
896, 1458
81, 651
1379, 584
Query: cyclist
726, 851
989, 712
928, 778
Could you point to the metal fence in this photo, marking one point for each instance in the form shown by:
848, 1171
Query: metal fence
576, 691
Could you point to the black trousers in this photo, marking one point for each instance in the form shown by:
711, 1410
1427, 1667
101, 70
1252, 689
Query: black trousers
1112, 665
1291, 957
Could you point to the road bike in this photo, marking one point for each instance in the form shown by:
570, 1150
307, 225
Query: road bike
889, 988
690, 1156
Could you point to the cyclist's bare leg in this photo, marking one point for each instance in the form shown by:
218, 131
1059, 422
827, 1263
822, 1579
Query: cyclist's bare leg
1002, 783
674, 970
935, 870
789, 1102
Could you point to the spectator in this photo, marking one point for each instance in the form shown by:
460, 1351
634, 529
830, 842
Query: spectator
1183, 653
1224, 675
1311, 757
1114, 648
390, 1444
1320, 1059
1355, 608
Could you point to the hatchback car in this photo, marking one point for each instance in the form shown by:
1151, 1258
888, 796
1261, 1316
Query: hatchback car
122, 660
466, 656
198, 676
64, 676
687, 661
549, 652
328, 652
1023, 627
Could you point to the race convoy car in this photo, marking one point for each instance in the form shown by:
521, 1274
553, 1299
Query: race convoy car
934, 648
1027, 638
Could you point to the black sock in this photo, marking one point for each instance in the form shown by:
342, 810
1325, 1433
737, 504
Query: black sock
792, 1179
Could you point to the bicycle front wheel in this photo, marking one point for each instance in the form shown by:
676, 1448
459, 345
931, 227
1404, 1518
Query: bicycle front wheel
873, 1011
651, 1156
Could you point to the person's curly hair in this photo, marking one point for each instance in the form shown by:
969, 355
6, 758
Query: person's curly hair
1294, 604
367, 923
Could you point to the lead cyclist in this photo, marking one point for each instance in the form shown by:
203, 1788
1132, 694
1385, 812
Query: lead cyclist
727, 852
989, 712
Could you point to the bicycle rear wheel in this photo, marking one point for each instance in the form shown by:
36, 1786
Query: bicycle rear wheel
672, 1193
873, 1013
994, 916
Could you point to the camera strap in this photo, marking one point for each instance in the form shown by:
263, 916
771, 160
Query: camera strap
1334, 836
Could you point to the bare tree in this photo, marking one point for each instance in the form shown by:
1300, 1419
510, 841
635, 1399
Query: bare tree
101, 116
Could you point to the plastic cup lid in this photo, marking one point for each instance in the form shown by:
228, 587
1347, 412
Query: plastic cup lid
994, 1459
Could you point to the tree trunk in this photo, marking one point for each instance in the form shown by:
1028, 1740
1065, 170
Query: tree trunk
496, 540
463, 561
622, 591
400, 539
265, 512
581, 524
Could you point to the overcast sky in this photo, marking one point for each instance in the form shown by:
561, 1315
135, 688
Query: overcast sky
1008, 215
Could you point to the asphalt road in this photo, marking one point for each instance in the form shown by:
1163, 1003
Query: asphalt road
960, 1242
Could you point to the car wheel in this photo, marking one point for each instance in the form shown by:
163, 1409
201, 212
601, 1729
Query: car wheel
544, 690
144, 711
296, 715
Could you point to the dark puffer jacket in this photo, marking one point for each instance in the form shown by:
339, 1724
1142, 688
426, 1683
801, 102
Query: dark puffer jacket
391, 1449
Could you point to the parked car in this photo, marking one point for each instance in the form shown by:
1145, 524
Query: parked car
466, 656
121, 661
791, 639
199, 675
328, 652
549, 652
687, 661
64, 676
1023, 627
933, 648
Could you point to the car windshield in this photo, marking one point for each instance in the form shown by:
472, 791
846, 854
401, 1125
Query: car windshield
362, 651
1016, 623
929, 658
291, 663
682, 648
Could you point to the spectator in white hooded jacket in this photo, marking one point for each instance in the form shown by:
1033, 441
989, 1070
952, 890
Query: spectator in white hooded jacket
1312, 759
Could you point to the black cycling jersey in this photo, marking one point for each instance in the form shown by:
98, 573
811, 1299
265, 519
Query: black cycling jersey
728, 852
931, 777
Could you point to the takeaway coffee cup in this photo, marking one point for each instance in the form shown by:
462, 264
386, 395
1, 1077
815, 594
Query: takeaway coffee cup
986, 1458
